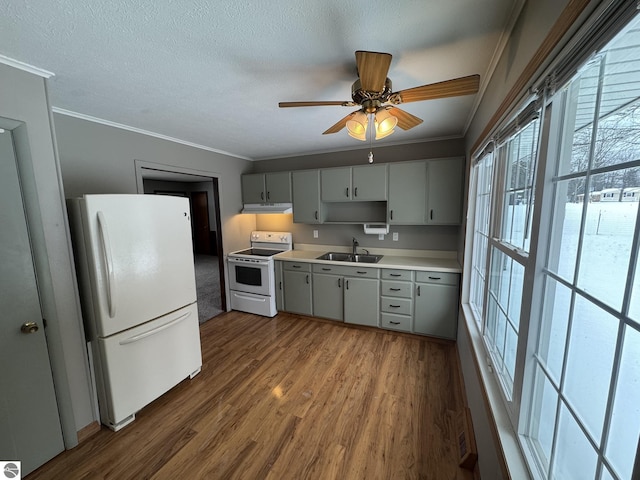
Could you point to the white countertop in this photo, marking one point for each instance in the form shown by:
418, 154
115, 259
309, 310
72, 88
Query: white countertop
402, 262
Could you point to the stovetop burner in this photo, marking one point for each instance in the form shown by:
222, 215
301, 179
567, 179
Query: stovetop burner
259, 252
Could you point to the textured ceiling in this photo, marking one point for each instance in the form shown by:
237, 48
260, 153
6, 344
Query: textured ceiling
212, 72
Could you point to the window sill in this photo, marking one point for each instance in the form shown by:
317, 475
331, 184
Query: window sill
507, 445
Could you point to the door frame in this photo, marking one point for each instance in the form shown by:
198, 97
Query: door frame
46, 292
144, 167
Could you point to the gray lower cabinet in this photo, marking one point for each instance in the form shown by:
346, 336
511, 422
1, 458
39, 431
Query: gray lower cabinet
297, 288
328, 296
279, 286
361, 301
436, 304
396, 300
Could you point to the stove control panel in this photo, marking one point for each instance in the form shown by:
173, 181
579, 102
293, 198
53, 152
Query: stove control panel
271, 237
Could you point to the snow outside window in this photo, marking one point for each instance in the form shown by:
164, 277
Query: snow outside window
584, 417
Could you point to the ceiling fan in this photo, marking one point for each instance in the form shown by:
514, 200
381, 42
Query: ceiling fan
373, 93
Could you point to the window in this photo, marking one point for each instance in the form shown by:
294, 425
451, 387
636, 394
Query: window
554, 256
585, 417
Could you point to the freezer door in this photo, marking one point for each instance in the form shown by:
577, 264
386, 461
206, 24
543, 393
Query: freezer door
135, 367
139, 256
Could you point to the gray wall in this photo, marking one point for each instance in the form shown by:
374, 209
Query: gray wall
97, 158
409, 237
23, 98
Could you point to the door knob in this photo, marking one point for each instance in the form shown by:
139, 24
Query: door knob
29, 327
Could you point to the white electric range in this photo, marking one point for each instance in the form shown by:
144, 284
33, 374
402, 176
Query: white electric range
252, 281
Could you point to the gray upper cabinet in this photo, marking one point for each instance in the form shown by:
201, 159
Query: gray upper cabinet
444, 191
336, 184
363, 184
407, 193
306, 197
266, 187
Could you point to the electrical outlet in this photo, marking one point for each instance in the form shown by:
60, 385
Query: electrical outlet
315, 234
381, 236
395, 236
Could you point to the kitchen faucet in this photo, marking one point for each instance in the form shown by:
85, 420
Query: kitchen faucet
355, 246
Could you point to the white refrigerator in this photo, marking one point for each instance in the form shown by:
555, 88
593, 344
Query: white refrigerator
135, 268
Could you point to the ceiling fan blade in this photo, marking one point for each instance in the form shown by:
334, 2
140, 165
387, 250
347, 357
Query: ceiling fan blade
372, 69
315, 104
405, 119
340, 124
448, 88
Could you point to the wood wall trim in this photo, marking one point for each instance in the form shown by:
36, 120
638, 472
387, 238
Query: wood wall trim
88, 431
567, 18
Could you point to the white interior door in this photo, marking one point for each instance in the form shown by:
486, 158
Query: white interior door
30, 429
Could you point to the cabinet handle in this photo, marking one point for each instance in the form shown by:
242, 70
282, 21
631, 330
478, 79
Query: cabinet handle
355, 192
435, 278
394, 306
261, 195
346, 284
307, 279
316, 214
394, 323
361, 273
391, 214
431, 214
418, 290
268, 195
296, 266
326, 269
347, 192
395, 274
395, 289
280, 286
339, 285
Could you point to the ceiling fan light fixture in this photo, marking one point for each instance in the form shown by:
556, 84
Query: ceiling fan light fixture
384, 123
357, 126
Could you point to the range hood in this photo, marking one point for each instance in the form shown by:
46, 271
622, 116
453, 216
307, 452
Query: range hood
267, 208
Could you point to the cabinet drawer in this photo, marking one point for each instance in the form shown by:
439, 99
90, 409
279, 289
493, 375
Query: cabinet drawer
347, 271
443, 278
297, 266
395, 322
401, 306
397, 274
396, 289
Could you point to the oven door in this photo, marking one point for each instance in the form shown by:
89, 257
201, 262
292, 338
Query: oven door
251, 277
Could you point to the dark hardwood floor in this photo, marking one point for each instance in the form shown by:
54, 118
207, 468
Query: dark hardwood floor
290, 398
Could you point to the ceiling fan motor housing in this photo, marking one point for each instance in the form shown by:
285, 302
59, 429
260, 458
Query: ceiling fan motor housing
361, 96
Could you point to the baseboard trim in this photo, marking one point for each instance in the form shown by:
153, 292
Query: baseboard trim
88, 431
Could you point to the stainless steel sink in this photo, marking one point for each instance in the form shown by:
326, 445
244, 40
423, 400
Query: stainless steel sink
348, 257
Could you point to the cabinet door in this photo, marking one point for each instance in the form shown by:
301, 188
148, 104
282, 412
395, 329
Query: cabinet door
297, 292
444, 191
361, 301
407, 193
327, 296
253, 188
369, 183
306, 196
279, 286
436, 310
278, 187
336, 184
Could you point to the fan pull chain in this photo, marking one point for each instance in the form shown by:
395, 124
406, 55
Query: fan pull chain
371, 129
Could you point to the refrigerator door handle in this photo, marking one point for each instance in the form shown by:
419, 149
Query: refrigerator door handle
106, 248
153, 331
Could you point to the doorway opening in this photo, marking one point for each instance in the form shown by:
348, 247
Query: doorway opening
204, 199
